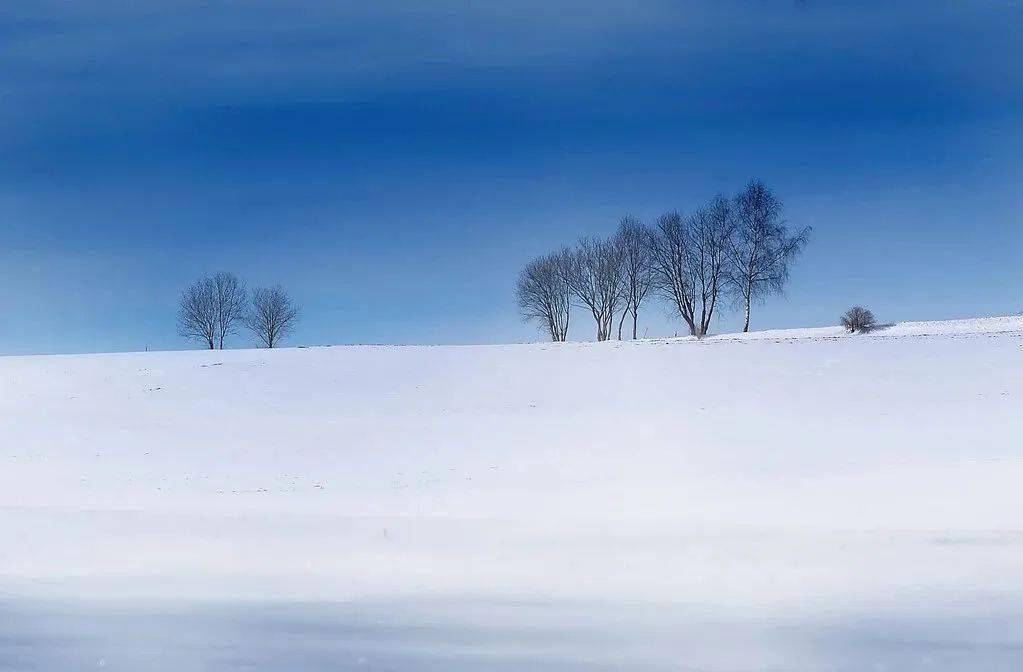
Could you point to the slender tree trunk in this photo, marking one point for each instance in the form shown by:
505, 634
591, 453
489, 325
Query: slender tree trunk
621, 322
749, 298
635, 321
705, 327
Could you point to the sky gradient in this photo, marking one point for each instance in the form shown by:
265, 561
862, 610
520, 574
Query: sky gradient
394, 165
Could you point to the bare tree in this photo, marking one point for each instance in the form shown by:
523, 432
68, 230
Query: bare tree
198, 313
688, 255
710, 233
595, 274
859, 319
633, 238
762, 248
211, 309
669, 250
272, 315
543, 293
230, 300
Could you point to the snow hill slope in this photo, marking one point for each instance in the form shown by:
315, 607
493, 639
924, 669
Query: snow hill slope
798, 500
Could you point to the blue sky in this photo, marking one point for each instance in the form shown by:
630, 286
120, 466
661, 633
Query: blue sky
394, 164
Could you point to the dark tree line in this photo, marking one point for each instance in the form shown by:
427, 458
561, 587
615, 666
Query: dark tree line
217, 306
737, 249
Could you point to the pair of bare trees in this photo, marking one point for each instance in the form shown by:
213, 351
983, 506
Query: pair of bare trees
737, 248
216, 306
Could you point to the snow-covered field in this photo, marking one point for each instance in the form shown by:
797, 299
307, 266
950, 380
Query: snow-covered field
786, 500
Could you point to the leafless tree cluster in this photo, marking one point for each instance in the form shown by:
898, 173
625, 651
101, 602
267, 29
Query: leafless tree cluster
216, 306
735, 248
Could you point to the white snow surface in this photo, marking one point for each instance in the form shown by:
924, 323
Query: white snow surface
793, 499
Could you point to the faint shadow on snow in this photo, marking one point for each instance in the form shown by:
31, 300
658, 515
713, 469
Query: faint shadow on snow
456, 636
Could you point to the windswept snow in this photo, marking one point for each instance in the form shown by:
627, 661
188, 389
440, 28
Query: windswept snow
783, 500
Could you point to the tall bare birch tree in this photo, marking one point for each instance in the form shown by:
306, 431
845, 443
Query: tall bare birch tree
761, 248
